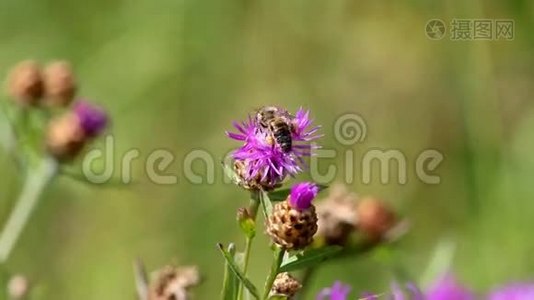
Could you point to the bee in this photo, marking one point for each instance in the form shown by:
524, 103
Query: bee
279, 124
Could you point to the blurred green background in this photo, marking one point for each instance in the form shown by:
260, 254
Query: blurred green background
175, 74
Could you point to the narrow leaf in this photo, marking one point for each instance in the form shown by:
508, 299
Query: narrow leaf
235, 269
231, 282
266, 204
309, 258
141, 279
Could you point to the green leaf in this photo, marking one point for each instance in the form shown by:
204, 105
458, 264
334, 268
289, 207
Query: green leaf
309, 258
266, 204
281, 195
234, 268
278, 297
231, 282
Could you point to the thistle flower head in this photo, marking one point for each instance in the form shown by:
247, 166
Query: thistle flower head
93, 119
59, 83
337, 215
174, 283
375, 218
338, 291
25, 83
263, 161
514, 291
341, 291
448, 288
285, 285
302, 195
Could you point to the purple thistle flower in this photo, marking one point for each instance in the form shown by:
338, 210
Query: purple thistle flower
302, 195
338, 291
448, 288
93, 119
260, 161
514, 291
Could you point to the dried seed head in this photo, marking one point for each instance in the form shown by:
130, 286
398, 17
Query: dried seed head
59, 84
25, 83
285, 285
173, 283
375, 219
337, 215
65, 136
290, 228
18, 287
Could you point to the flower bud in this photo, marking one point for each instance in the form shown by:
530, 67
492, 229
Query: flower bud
93, 119
246, 222
173, 283
293, 223
59, 84
18, 287
285, 285
337, 216
25, 83
65, 137
302, 195
375, 219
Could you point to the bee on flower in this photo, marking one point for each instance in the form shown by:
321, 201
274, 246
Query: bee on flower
275, 144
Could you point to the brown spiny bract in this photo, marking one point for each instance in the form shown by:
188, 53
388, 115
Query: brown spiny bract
337, 216
285, 285
173, 283
375, 219
290, 228
254, 184
65, 136
25, 83
59, 84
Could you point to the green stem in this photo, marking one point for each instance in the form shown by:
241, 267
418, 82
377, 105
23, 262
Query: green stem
275, 268
37, 179
253, 212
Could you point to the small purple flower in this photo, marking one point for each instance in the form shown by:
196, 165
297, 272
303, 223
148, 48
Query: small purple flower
302, 195
514, 291
338, 291
448, 288
93, 119
261, 161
